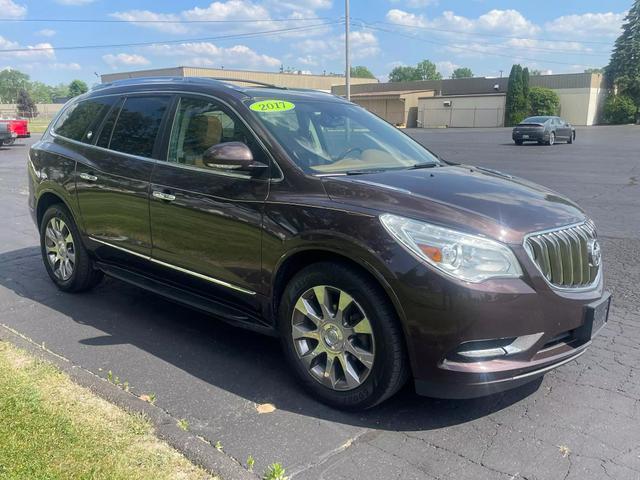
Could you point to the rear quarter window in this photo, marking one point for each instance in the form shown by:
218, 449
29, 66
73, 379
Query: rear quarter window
79, 121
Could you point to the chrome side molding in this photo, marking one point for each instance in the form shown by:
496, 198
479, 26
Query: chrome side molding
177, 268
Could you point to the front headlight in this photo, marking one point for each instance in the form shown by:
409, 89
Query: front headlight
463, 256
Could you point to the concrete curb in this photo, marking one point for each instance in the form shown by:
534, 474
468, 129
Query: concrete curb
197, 450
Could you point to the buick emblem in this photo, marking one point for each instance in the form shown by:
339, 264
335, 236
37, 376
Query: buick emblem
595, 255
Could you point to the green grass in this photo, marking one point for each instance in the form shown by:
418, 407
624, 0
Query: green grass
51, 428
38, 126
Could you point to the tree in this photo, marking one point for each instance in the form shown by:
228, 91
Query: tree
619, 109
623, 70
526, 89
544, 101
26, 105
462, 72
59, 91
427, 70
40, 92
77, 87
404, 74
11, 82
360, 71
536, 73
516, 101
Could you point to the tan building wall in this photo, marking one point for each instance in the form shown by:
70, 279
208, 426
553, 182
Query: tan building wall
292, 80
45, 110
397, 108
462, 111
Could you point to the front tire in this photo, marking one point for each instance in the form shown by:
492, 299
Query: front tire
519, 142
342, 337
9, 141
65, 258
572, 138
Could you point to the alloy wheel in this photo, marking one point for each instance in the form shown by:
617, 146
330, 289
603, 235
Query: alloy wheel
60, 249
333, 337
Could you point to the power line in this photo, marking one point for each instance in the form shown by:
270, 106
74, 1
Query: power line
177, 21
486, 34
263, 33
469, 49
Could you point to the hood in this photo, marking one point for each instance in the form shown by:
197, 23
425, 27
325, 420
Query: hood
467, 198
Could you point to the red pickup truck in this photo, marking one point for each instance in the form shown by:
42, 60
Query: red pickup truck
19, 126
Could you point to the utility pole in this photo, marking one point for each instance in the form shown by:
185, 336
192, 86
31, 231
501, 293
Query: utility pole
347, 72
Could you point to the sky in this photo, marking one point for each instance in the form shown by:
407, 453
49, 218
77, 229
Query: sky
487, 36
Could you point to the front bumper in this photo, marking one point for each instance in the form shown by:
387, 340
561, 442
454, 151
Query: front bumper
442, 315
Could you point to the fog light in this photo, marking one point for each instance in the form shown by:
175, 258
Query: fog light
478, 350
484, 349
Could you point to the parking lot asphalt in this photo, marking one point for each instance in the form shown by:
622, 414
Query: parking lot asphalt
582, 421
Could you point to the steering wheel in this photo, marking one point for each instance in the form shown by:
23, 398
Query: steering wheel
347, 152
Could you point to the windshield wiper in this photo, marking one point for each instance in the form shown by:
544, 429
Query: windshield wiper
366, 170
418, 166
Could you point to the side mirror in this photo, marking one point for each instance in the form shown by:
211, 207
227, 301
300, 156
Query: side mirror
235, 156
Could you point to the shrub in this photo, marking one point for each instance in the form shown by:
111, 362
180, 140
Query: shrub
619, 109
544, 101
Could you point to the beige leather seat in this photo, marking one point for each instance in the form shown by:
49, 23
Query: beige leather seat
203, 132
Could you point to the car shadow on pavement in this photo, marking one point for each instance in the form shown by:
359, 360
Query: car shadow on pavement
238, 361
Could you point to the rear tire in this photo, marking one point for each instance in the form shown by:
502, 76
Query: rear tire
9, 141
321, 347
65, 257
552, 139
572, 137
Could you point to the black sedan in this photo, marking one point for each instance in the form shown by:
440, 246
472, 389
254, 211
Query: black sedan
544, 130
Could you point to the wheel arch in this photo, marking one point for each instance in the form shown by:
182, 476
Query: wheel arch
290, 265
46, 200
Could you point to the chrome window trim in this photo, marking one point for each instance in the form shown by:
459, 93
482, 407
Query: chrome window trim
175, 267
596, 282
166, 162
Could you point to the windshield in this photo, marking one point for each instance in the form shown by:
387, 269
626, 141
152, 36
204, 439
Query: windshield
536, 120
335, 137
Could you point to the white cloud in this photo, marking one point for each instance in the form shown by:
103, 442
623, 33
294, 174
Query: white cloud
10, 9
75, 3
416, 3
208, 54
228, 11
46, 32
136, 16
446, 68
587, 25
39, 50
495, 21
65, 66
403, 18
125, 59
364, 44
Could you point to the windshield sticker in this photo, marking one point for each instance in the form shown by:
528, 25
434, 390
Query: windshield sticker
268, 106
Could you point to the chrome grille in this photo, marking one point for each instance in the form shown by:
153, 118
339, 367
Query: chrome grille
564, 255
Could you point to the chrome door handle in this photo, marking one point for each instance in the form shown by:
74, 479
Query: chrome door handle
88, 177
163, 196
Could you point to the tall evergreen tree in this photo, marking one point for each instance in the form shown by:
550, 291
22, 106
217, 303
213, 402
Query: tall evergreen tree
623, 70
25, 105
516, 101
526, 90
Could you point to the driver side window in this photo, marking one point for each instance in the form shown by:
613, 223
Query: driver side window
199, 124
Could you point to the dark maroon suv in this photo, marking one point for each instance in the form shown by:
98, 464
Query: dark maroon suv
301, 215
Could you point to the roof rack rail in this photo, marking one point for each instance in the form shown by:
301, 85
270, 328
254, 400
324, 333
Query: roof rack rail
244, 80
